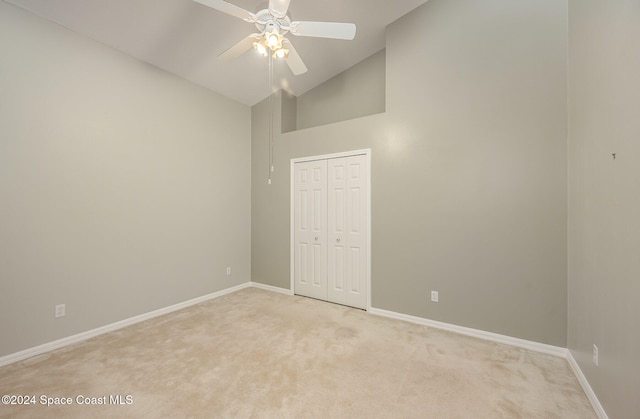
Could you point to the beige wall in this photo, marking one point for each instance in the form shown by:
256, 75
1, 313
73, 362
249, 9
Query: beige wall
123, 189
351, 94
468, 170
604, 199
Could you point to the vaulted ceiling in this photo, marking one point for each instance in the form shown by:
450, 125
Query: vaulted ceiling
185, 38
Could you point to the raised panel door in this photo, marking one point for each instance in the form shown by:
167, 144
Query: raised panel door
310, 224
347, 227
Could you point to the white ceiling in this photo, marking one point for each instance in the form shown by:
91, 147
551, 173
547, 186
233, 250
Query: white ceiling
184, 38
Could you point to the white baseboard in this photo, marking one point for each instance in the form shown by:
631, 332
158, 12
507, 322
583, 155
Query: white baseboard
495, 337
70, 340
591, 395
271, 288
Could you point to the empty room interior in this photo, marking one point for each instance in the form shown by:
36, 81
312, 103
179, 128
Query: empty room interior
433, 215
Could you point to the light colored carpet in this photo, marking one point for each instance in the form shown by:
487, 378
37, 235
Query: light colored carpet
260, 354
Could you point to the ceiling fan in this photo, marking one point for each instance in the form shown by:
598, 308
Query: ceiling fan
273, 23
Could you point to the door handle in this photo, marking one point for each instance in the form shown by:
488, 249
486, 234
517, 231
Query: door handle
338, 240
316, 238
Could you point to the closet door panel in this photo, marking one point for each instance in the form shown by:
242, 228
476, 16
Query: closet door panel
347, 230
337, 230
310, 234
357, 231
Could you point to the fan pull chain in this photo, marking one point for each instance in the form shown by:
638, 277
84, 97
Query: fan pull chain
270, 168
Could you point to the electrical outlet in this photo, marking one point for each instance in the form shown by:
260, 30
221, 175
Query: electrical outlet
434, 296
228, 270
595, 354
60, 310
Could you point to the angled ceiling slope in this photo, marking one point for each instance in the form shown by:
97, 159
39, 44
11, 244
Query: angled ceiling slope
185, 38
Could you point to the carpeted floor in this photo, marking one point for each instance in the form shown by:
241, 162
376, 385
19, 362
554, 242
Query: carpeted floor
260, 354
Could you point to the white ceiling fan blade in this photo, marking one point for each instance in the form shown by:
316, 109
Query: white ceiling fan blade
293, 60
229, 9
279, 8
239, 48
333, 30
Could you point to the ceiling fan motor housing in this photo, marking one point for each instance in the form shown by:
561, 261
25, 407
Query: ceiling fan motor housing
267, 22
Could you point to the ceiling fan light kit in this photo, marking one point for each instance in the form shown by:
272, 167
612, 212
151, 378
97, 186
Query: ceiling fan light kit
273, 41
273, 24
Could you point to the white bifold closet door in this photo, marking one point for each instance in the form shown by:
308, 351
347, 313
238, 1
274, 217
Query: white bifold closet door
331, 229
310, 266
